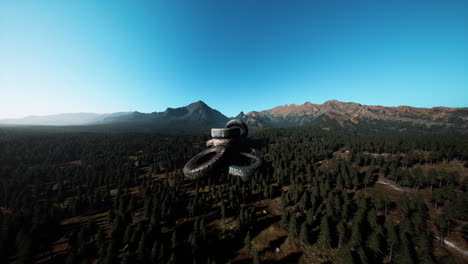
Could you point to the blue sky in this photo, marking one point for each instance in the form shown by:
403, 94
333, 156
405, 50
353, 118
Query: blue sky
110, 56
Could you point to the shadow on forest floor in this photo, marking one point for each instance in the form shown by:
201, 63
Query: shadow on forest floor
291, 258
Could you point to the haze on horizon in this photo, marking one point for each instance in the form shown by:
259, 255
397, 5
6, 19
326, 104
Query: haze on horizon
88, 56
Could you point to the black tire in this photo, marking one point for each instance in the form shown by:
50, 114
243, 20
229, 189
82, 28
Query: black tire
230, 132
245, 172
240, 124
193, 170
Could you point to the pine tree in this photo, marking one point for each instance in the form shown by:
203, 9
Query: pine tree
102, 249
131, 205
82, 250
406, 252
372, 218
100, 237
203, 228
341, 229
329, 208
325, 233
223, 211
356, 182
292, 229
256, 258
418, 178
128, 234
356, 232
162, 253
432, 178
345, 211
442, 226
247, 242
110, 216
110, 254
374, 242
304, 201
424, 244
154, 221
172, 258
362, 255
368, 178
392, 238
72, 239
284, 212
347, 255
377, 200
134, 241
125, 260
404, 205
71, 259
309, 217
154, 251
304, 236
406, 179
174, 239
141, 251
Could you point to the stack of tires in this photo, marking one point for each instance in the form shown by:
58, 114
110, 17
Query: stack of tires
224, 148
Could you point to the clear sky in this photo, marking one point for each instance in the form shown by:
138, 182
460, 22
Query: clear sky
110, 56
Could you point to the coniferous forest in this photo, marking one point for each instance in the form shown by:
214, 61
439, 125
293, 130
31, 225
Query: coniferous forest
321, 196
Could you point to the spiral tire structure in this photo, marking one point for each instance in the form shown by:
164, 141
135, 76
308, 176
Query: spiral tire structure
224, 143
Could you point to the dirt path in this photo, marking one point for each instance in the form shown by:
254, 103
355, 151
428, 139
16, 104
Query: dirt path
452, 245
393, 186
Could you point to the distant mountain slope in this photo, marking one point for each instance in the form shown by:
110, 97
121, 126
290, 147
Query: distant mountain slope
196, 114
70, 119
353, 113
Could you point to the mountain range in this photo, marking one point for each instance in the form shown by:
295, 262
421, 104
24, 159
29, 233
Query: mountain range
354, 113
200, 115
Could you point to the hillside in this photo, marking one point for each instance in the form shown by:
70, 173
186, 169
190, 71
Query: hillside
352, 113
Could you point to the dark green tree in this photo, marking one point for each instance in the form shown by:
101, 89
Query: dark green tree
304, 234
392, 239
256, 258
247, 242
292, 227
325, 234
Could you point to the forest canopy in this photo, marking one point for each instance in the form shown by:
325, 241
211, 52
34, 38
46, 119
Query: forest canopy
335, 195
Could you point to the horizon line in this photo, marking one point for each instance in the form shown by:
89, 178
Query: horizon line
241, 111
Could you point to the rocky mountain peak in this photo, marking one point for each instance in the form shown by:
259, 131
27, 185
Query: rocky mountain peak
198, 105
290, 115
240, 115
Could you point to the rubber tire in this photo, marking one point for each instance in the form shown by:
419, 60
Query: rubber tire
245, 172
240, 124
193, 170
223, 133
227, 142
